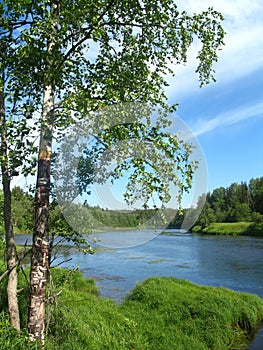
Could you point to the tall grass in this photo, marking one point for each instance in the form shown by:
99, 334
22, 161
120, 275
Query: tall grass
175, 314
160, 313
82, 320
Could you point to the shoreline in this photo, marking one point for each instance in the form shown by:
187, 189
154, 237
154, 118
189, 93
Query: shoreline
229, 229
197, 315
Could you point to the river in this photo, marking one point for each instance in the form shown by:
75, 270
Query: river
231, 262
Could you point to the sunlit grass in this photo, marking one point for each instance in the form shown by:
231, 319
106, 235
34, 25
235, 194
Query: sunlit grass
170, 311
160, 313
229, 228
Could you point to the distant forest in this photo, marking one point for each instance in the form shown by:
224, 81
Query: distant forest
84, 217
236, 203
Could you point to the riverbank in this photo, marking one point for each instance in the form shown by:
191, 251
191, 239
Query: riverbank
159, 313
220, 228
230, 228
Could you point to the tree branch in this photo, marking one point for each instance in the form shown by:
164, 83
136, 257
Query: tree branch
86, 37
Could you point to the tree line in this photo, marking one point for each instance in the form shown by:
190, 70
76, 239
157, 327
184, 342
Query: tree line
235, 203
100, 218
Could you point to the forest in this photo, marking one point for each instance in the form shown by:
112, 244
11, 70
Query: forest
237, 203
98, 219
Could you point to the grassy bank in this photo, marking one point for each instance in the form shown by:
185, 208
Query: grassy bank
170, 311
230, 228
161, 313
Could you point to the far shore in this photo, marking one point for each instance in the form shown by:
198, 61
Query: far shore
222, 228
229, 228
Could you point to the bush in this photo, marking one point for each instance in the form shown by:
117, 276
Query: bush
257, 218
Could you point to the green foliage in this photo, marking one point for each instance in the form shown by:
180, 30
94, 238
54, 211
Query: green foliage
150, 158
17, 108
22, 210
100, 218
257, 218
103, 53
256, 194
91, 219
2, 244
57, 224
214, 210
236, 203
135, 46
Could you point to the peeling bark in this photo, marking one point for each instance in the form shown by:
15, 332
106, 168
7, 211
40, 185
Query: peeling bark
40, 248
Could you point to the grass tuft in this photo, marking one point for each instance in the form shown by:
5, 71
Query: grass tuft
160, 313
171, 311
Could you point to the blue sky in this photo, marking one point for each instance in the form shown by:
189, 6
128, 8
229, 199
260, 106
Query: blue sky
227, 116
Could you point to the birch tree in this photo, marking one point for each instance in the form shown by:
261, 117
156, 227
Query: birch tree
15, 146
131, 45
40, 248
85, 55
11, 255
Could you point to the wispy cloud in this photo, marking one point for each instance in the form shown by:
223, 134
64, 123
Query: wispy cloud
228, 118
243, 50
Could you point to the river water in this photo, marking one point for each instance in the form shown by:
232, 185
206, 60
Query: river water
231, 262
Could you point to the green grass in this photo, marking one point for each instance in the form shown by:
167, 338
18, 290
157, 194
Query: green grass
169, 311
160, 313
229, 228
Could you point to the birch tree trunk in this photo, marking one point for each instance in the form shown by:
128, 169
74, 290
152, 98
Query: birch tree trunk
11, 256
40, 248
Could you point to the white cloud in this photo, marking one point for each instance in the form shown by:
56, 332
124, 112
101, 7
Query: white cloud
228, 118
243, 50
235, 9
